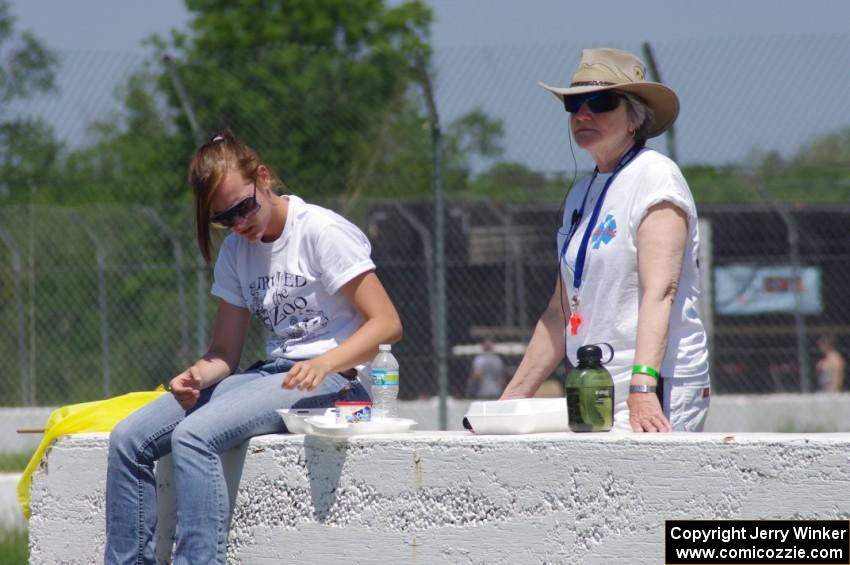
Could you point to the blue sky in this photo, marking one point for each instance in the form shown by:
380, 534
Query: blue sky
121, 24
745, 70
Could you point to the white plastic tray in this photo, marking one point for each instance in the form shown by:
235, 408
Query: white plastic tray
519, 416
294, 418
327, 425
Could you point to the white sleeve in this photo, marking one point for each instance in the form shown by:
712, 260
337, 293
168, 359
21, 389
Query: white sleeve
663, 183
343, 252
225, 280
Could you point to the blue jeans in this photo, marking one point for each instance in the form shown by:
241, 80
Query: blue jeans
227, 414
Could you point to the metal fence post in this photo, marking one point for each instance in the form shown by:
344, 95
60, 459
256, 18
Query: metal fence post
183, 97
19, 309
428, 251
439, 241
799, 321
181, 290
670, 134
33, 367
103, 304
794, 256
516, 307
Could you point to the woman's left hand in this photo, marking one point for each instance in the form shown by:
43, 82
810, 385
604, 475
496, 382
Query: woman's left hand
306, 375
645, 414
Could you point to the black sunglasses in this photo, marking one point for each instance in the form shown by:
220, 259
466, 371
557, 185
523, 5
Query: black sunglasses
243, 209
597, 102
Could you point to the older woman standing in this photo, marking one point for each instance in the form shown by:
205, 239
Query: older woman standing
627, 250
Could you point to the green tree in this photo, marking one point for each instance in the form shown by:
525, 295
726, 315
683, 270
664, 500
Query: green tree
28, 153
830, 149
473, 139
27, 146
139, 156
317, 88
311, 85
28, 66
406, 168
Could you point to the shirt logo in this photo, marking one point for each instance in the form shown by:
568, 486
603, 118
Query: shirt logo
604, 232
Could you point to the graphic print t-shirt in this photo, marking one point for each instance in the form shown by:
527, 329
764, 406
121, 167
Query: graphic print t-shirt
610, 288
291, 284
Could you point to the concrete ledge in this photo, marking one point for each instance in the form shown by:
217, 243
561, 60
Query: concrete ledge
818, 412
449, 497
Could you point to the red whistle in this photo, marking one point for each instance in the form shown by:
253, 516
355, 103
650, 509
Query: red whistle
575, 322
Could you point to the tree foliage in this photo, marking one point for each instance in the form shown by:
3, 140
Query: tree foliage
315, 86
28, 150
28, 66
312, 85
818, 172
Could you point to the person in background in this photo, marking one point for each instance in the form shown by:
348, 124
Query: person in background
487, 377
830, 367
627, 250
306, 273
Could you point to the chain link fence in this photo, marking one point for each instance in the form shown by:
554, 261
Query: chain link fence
103, 290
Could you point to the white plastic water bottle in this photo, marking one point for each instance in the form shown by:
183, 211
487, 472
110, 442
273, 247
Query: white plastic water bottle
385, 383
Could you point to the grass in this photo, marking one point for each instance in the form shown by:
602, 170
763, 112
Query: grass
14, 462
14, 547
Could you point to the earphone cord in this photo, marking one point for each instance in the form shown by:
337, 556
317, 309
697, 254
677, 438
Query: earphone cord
561, 289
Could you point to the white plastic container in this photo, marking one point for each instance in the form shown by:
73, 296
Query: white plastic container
353, 412
294, 418
330, 427
324, 422
519, 416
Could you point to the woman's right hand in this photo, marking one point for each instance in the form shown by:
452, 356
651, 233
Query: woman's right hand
645, 413
186, 387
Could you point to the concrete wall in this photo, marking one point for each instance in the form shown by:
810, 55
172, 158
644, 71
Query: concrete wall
729, 413
450, 497
765, 413
745, 413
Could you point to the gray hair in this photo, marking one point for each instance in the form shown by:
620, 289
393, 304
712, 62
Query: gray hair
640, 114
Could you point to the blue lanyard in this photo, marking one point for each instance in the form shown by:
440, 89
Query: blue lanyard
594, 216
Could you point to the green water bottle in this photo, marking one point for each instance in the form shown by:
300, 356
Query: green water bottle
590, 393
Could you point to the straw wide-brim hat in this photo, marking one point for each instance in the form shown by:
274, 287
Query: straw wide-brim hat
613, 69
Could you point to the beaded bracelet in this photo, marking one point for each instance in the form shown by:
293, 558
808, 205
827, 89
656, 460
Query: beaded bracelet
646, 370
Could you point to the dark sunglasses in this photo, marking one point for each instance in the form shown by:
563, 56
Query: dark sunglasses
597, 102
243, 209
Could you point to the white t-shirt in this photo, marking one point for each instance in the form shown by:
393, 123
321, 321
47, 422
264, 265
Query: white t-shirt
609, 292
492, 370
291, 283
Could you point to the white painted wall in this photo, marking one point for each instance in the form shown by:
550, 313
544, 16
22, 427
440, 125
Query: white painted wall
449, 497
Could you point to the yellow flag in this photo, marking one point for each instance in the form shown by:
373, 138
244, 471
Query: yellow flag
97, 416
